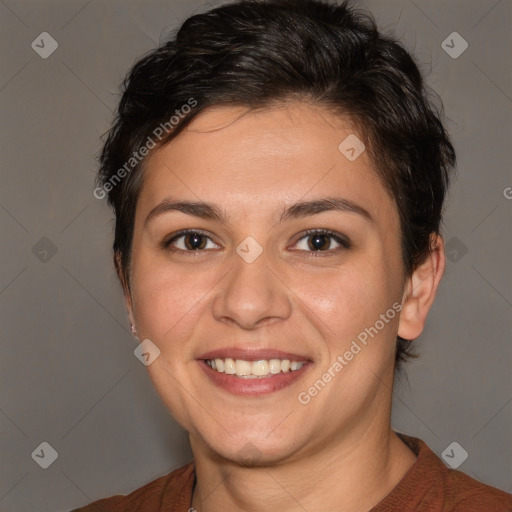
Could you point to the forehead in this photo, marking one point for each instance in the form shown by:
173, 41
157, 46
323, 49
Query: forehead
258, 160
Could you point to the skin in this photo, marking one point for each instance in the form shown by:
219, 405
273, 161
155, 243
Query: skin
337, 452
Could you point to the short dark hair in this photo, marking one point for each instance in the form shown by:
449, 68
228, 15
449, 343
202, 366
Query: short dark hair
255, 53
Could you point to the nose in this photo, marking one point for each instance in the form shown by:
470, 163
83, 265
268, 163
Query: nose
251, 295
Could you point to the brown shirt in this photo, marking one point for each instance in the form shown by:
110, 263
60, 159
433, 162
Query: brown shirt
428, 486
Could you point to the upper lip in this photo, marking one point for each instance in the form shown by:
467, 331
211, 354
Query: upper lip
251, 354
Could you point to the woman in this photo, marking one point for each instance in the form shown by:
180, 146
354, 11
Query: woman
278, 175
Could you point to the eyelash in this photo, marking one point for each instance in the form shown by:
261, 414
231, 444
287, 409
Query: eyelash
337, 237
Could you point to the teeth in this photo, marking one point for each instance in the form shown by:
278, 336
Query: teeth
242, 367
254, 369
260, 368
274, 366
229, 366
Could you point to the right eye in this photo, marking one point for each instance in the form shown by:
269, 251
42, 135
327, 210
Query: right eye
189, 241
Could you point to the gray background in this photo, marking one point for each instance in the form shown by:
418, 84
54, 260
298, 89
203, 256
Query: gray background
68, 375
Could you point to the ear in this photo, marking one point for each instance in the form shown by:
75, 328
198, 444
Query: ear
420, 290
126, 287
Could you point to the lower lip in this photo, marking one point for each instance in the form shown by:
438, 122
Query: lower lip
253, 387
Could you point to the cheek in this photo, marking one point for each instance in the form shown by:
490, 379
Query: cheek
167, 299
346, 300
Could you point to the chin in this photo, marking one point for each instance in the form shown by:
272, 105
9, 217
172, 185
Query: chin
255, 453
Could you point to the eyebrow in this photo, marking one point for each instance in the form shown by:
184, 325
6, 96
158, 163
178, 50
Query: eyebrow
340, 204
301, 209
196, 208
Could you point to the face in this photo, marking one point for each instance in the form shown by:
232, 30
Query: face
262, 250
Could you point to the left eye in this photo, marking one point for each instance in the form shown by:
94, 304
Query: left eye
320, 241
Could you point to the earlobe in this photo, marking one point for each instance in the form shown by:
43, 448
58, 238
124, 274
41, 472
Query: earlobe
420, 291
126, 291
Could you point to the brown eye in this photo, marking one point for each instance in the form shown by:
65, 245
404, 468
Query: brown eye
190, 241
321, 241
194, 241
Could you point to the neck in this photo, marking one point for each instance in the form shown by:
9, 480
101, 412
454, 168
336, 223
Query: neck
349, 475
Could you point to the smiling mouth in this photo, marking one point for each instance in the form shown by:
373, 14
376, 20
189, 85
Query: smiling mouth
260, 369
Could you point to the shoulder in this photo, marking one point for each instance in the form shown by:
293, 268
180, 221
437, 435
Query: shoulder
467, 494
174, 489
430, 486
